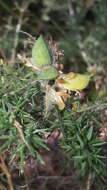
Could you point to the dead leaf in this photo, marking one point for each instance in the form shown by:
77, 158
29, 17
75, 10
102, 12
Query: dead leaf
103, 134
54, 136
53, 98
64, 95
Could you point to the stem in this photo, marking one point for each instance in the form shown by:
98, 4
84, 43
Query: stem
6, 172
95, 108
19, 127
22, 10
89, 180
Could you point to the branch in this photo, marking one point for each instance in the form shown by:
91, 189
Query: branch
6, 172
22, 10
20, 130
95, 108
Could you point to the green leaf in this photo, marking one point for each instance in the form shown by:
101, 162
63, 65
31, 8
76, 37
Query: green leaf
99, 144
90, 132
80, 141
83, 167
48, 73
41, 54
79, 158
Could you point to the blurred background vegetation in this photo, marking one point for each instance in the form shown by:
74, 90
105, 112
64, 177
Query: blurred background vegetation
79, 27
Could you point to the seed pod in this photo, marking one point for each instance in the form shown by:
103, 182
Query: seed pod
41, 54
48, 73
73, 81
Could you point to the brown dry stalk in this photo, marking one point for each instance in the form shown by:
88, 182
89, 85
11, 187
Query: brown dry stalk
22, 9
89, 181
5, 170
20, 130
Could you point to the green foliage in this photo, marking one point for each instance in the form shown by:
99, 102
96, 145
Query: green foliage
40, 53
48, 73
81, 32
81, 142
42, 59
17, 103
21, 102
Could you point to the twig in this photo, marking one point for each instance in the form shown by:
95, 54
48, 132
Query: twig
74, 21
22, 10
3, 55
95, 108
6, 172
88, 183
20, 130
30, 36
